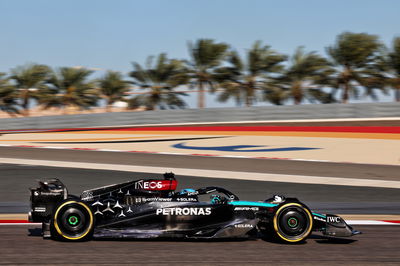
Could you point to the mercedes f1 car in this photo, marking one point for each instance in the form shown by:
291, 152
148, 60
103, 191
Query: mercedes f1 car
153, 209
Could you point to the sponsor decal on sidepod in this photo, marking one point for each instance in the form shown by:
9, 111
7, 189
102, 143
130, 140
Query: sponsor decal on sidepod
183, 211
246, 209
244, 225
319, 219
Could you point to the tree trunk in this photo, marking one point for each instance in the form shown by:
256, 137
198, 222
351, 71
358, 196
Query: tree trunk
154, 100
346, 87
297, 92
397, 93
248, 98
108, 105
201, 96
250, 91
25, 103
345, 96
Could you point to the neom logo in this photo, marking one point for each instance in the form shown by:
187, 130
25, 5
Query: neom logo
148, 185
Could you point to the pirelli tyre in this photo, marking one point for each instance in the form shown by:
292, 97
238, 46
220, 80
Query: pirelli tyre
292, 223
73, 220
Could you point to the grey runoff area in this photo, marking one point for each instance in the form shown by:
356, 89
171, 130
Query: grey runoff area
264, 113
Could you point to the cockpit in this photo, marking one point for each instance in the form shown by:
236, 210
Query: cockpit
218, 195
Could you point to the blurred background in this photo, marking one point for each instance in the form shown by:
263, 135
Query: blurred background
188, 54
296, 98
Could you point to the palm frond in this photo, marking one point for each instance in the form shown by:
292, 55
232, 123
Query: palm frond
159, 78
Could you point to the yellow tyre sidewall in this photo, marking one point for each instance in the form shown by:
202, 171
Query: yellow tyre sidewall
305, 235
90, 220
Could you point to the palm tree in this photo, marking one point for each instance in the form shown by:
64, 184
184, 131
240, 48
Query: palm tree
275, 93
30, 80
205, 55
8, 96
354, 54
376, 77
69, 88
394, 65
113, 87
159, 79
306, 73
242, 78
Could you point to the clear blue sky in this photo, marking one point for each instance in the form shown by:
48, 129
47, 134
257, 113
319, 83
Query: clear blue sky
111, 34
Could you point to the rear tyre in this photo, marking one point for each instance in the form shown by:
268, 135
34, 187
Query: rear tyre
73, 220
292, 223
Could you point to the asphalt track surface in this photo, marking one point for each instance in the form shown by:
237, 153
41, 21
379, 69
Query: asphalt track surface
384, 172
377, 245
16, 179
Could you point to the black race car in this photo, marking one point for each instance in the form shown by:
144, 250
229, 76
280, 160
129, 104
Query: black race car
153, 209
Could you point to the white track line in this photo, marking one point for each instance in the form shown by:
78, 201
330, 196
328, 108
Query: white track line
370, 222
266, 121
213, 173
21, 224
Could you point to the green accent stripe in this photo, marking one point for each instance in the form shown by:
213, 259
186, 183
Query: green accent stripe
319, 215
252, 203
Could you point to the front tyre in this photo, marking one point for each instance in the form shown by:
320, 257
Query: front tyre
292, 223
73, 220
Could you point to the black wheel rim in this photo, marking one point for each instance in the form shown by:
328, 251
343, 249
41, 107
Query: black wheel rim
73, 220
293, 222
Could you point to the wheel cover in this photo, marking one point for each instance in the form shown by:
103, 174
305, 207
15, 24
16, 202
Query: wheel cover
293, 222
73, 220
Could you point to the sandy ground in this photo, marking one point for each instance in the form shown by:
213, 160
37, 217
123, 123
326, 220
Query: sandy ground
336, 147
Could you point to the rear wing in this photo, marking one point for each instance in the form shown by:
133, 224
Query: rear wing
45, 198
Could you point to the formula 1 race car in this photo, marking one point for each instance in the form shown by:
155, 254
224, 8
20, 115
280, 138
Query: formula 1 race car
153, 209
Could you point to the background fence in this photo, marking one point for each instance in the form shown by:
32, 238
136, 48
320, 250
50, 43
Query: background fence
314, 111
